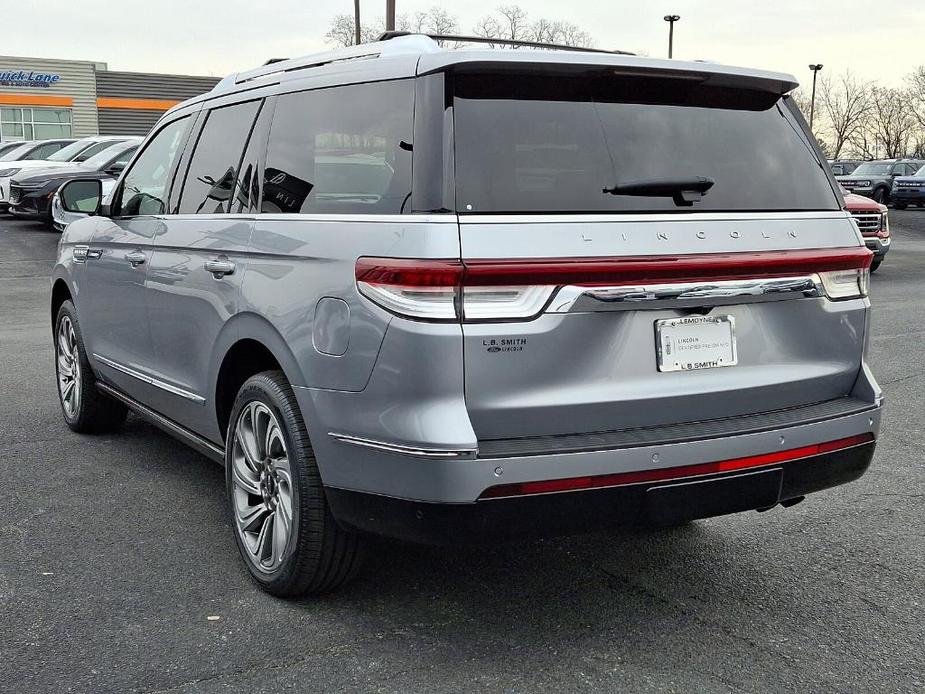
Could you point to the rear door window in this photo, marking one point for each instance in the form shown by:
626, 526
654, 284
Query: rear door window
341, 150
552, 143
213, 169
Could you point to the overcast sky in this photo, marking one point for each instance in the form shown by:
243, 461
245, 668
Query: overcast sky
216, 38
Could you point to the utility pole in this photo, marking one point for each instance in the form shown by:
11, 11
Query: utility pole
812, 102
390, 15
356, 22
671, 19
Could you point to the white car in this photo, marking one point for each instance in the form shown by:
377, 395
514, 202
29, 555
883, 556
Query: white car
73, 153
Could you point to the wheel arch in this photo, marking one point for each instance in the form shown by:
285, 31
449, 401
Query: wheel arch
247, 345
60, 292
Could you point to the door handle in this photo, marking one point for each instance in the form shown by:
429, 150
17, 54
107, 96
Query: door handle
135, 258
219, 268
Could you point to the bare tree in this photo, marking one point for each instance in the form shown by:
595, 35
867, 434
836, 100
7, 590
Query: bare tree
341, 31
892, 122
846, 104
916, 82
435, 20
512, 22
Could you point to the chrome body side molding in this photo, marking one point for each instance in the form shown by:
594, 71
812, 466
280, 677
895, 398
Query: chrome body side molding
174, 390
204, 446
402, 449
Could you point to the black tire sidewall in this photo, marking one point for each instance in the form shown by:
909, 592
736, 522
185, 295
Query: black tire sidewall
87, 379
259, 388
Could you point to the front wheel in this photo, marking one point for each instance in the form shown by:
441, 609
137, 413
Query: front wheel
283, 527
85, 409
899, 205
875, 264
881, 195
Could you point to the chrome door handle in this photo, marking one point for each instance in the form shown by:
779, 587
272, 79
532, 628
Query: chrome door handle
219, 268
135, 258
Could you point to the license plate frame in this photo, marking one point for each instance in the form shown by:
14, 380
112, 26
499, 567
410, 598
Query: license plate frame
707, 344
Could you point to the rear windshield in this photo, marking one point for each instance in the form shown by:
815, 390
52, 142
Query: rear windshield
551, 143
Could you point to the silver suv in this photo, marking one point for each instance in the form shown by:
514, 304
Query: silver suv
467, 295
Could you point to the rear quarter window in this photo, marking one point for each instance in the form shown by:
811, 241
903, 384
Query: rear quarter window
341, 150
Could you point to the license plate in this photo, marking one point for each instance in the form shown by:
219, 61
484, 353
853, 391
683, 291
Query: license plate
695, 342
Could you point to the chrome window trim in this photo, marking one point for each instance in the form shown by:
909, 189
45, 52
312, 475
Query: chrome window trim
448, 218
403, 449
573, 298
174, 390
677, 217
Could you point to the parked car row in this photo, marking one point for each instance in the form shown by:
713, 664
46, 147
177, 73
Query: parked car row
877, 179
32, 172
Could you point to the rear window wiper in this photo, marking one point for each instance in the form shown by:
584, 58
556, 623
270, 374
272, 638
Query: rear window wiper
684, 191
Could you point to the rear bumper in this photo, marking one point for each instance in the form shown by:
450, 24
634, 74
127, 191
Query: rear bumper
650, 503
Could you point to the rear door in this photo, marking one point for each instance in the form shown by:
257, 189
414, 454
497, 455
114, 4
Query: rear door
196, 265
584, 196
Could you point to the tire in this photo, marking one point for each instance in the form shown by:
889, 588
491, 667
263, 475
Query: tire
900, 205
875, 264
881, 195
284, 530
85, 409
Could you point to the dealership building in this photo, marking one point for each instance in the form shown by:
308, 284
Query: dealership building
41, 99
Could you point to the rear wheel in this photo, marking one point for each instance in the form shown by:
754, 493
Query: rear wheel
899, 205
85, 409
283, 527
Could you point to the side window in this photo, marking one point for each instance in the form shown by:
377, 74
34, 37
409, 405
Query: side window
45, 151
145, 186
213, 169
121, 161
342, 150
93, 150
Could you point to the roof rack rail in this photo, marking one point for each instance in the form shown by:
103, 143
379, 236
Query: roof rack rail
385, 36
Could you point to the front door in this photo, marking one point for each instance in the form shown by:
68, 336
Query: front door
118, 261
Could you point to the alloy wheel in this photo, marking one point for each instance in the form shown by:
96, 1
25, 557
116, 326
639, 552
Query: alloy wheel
262, 487
68, 366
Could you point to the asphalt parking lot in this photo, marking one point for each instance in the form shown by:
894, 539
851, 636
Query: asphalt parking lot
120, 574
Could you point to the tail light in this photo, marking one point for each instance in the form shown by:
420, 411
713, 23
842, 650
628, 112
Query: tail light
485, 290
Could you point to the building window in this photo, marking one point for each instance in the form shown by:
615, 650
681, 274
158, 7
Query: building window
34, 123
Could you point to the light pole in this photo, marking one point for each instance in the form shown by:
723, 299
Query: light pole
671, 19
812, 102
390, 15
356, 22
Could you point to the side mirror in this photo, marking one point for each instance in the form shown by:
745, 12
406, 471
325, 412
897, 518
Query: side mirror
82, 195
115, 170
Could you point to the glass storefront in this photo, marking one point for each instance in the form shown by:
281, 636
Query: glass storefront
34, 123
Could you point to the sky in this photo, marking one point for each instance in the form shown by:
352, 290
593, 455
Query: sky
211, 38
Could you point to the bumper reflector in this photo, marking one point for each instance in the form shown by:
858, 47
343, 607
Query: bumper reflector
671, 473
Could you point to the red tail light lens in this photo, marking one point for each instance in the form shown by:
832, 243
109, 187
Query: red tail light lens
510, 289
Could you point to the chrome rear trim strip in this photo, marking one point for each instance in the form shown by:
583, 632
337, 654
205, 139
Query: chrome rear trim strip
574, 298
402, 449
150, 380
